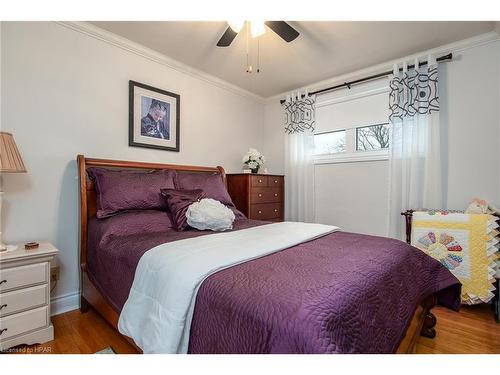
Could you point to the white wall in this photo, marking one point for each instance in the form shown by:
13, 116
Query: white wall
470, 120
66, 93
469, 95
274, 137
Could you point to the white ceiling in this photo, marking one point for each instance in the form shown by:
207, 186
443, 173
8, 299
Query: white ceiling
323, 49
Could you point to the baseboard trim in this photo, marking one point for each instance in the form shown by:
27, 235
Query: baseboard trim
65, 303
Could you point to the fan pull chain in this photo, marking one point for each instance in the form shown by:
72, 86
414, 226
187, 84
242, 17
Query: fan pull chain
249, 67
258, 54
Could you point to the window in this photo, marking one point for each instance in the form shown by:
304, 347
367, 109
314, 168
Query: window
372, 137
329, 142
351, 125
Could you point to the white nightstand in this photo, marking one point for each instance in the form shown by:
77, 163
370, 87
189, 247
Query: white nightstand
25, 296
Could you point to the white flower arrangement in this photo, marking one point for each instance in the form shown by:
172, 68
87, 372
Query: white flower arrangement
253, 159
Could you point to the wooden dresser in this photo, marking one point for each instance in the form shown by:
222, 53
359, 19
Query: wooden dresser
258, 196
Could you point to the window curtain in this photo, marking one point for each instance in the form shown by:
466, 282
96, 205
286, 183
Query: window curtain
299, 148
415, 159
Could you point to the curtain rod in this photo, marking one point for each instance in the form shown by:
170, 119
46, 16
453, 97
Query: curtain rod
447, 57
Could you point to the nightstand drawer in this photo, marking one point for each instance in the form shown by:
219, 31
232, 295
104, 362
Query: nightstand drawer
30, 320
23, 299
17, 277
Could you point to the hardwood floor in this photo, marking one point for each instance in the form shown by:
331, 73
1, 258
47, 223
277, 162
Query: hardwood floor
472, 330
77, 333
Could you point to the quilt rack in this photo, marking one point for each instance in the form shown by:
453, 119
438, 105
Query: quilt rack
408, 217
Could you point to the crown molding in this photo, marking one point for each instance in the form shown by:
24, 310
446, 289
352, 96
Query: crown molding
138, 49
455, 48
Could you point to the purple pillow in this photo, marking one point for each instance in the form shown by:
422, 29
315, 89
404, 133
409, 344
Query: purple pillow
124, 190
133, 223
178, 202
211, 184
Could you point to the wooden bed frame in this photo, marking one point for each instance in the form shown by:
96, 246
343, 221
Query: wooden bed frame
422, 323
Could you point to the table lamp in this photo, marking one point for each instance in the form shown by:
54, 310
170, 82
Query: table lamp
10, 162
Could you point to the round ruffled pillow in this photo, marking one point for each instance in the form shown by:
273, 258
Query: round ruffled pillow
209, 214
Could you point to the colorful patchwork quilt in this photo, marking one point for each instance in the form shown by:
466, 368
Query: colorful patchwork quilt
466, 244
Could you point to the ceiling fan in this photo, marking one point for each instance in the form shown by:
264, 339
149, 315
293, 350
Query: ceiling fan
283, 29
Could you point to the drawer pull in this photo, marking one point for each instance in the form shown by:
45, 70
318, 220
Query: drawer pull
260, 195
4, 305
3, 282
260, 181
260, 212
275, 194
275, 181
3, 330
275, 210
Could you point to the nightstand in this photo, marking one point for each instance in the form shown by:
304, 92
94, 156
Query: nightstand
25, 296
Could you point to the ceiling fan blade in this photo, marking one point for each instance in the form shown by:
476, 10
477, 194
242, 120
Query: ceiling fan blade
227, 38
284, 30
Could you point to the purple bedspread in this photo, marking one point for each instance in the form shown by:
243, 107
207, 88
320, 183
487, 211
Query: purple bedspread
342, 293
116, 244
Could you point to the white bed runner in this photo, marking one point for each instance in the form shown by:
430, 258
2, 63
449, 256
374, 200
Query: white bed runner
159, 308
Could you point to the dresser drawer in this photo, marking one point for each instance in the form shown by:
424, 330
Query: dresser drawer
23, 322
23, 299
17, 277
258, 181
265, 211
265, 195
275, 181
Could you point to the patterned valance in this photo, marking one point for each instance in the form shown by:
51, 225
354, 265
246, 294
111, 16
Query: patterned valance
413, 92
299, 114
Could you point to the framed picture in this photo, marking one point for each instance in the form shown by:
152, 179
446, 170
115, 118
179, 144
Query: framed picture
154, 117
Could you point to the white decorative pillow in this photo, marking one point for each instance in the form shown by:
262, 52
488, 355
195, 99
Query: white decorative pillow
209, 214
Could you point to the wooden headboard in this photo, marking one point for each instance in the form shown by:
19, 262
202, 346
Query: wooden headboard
88, 194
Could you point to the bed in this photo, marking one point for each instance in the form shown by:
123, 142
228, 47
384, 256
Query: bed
338, 293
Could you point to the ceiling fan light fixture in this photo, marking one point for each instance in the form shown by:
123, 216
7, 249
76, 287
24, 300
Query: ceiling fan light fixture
257, 28
236, 25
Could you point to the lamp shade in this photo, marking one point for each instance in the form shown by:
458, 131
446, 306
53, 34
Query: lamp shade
10, 158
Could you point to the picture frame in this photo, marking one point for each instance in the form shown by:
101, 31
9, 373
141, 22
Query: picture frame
154, 117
